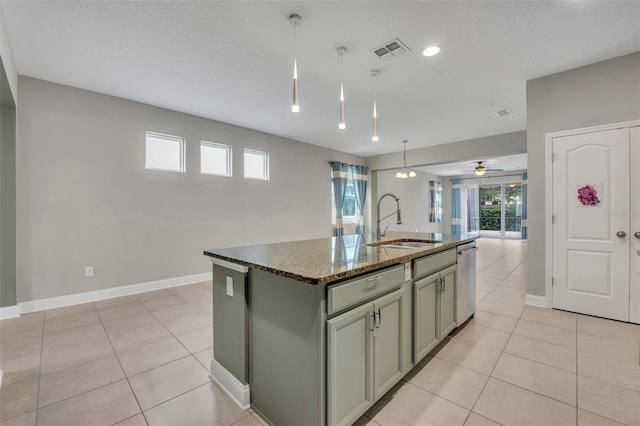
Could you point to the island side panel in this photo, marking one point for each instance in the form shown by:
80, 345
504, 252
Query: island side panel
230, 322
287, 349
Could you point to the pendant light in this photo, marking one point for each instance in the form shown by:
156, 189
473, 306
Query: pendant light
342, 124
405, 173
295, 20
375, 138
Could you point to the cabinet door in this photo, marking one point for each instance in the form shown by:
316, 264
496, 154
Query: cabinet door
350, 368
425, 324
447, 301
387, 342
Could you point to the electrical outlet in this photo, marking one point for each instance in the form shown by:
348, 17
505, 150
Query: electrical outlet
88, 271
229, 286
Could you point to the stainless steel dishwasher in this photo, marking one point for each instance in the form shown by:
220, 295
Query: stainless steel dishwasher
466, 282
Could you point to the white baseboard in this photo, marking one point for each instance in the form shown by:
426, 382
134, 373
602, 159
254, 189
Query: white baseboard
535, 300
107, 293
10, 312
237, 391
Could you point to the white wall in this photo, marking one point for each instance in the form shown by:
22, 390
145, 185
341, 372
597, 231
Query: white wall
414, 201
7, 57
600, 93
84, 197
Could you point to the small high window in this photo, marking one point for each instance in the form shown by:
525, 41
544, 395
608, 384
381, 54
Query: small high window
215, 159
256, 164
164, 152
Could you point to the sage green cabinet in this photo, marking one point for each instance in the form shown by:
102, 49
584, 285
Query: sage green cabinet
365, 352
434, 302
425, 307
349, 378
447, 311
387, 342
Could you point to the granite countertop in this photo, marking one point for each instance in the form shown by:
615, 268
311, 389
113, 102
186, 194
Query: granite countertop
325, 260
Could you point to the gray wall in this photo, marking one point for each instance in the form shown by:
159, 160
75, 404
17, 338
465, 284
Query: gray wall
601, 93
7, 57
414, 201
490, 146
84, 197
7, 194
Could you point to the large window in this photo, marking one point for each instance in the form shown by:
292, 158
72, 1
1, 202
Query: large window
256, 164
215, 159
349, 206
164, 152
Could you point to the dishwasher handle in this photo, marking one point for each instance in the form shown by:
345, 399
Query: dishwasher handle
468, 249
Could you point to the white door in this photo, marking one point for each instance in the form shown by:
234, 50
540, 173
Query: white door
635, 226
590, 208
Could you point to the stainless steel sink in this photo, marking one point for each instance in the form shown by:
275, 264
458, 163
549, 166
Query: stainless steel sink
405, 243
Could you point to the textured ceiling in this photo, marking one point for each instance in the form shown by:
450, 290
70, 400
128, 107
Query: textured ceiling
232, 60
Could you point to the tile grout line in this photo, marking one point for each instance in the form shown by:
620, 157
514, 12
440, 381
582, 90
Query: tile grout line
120, 364
491, 375
44, 318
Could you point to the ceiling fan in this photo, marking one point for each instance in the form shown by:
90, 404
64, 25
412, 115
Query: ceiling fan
481, 170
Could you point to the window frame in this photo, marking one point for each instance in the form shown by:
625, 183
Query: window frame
265, 163
349, 219
172, 138
229, 151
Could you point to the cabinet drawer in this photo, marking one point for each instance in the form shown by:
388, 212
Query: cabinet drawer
436, 262
350, 293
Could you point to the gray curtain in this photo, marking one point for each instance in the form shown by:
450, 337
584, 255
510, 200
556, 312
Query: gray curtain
339, 182
523, 218
456, 208
359, 174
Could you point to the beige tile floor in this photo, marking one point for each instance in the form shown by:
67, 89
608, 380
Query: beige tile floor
143, 359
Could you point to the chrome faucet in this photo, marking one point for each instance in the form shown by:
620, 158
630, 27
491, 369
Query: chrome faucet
379, 233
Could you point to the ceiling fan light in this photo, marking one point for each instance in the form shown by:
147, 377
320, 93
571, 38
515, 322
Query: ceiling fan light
480, 171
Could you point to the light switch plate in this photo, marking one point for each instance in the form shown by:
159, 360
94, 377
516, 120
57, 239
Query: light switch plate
229, 286
407, 271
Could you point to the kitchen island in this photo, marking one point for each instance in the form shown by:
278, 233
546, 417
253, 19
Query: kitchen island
313, 332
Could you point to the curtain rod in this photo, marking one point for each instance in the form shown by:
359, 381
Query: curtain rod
347, 164
490, 177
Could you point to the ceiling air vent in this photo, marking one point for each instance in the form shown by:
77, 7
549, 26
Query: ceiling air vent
503, 113
391, 49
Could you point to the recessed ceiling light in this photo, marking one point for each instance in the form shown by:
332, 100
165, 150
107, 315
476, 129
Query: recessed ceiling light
431, 51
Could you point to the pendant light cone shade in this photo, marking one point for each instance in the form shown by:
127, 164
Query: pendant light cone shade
295, 107
295, 19
375, 137
342, 124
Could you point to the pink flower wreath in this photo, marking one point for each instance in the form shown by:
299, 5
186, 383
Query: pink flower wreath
588, 196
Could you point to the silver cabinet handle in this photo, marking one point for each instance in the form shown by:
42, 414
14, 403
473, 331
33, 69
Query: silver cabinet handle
621, 234
379, 319
637, 235
374, 324
374, 278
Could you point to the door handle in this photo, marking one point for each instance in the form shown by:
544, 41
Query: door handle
379, 319
637, 235
622, 234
